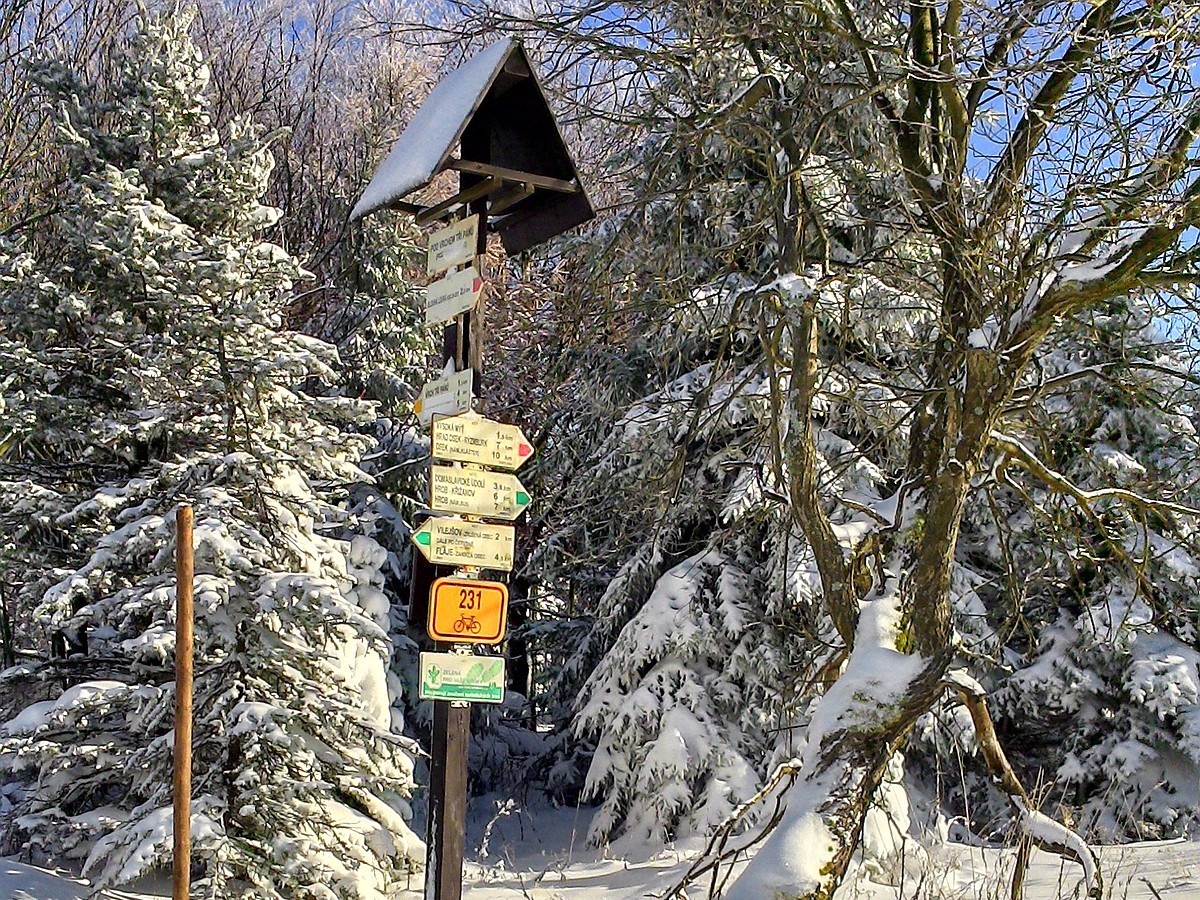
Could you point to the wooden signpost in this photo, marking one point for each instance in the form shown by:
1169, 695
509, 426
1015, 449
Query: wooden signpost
462, 611
517, 180
181, 782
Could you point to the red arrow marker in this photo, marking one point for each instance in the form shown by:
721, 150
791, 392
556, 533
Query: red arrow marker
524, 450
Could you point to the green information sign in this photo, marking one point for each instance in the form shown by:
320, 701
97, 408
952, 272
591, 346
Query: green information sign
456, 676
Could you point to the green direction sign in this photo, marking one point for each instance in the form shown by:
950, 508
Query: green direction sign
457, 676
477, 492
457, 542
474, 439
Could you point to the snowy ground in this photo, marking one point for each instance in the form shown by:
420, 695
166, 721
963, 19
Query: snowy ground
541, 855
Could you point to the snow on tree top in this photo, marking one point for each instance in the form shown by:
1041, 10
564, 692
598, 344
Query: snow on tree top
423, 147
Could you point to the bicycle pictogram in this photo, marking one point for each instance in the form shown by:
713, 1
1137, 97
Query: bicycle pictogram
467, 625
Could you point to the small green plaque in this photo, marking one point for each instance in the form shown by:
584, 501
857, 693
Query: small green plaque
455, 676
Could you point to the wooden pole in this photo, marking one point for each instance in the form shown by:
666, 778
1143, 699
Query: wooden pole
463, 343
182, 783
447, 800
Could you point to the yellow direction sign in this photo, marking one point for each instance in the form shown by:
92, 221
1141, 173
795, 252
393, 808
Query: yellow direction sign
446, 396
454, 295
475, 492
474, 439
456, 542
453, 245
468, 612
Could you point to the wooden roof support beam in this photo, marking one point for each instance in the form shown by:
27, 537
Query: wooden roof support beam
512, 196
405, 207
541, 181
443, 209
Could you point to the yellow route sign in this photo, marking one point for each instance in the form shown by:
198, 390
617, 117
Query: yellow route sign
468, 612
472, 438
476, 492
457, 542
448, 395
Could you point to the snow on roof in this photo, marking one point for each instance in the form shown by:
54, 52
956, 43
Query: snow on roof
431, 135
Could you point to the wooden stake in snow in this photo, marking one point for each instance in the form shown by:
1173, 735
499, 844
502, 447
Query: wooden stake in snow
181, 869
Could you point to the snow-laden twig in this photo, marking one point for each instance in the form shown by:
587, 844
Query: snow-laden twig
1055, 479
1036, 827
715, 852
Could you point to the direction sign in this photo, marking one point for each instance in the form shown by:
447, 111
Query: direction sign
453, 245
468, 612
476, 492
456, 542
446, 396
474, 439
454, 295
455, 676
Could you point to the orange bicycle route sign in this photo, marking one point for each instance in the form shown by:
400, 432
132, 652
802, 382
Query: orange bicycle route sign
468, 612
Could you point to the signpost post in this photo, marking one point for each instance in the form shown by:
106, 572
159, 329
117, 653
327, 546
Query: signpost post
517, 179
451, 714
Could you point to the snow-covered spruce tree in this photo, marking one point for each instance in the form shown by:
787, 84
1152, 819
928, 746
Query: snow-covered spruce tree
1005, 252
342, 101
143, 365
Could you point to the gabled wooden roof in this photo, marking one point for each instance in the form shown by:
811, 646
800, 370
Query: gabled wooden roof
510, 150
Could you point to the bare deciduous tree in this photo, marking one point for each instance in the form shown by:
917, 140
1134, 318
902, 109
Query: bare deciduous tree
1047, 162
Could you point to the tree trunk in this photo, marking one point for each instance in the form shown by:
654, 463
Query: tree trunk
854, 731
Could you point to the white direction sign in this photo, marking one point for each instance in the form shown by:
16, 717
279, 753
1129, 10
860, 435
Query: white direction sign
454, 295
457, 676
474, 439
453, 245
447, 396
476, 492
457, 542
